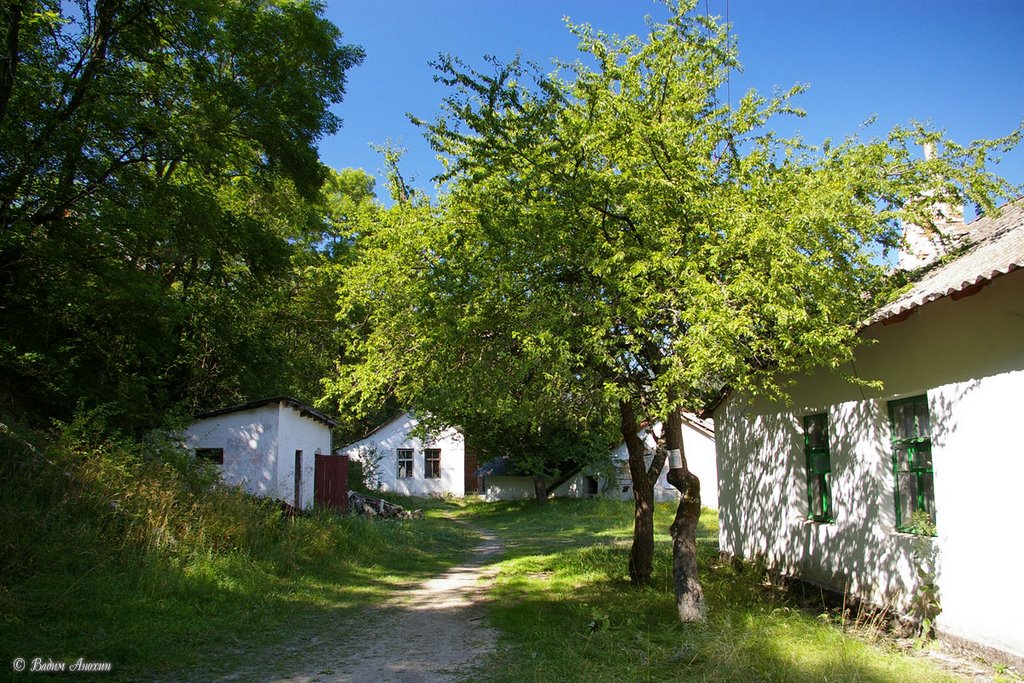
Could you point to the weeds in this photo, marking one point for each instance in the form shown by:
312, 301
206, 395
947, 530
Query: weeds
131, 552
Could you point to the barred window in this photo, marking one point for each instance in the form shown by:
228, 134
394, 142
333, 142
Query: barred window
819, 467
912, 465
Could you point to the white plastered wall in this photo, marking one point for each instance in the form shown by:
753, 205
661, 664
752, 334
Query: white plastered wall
299, 433
700, 460
259, 449
249, 439
968, 356
398, 434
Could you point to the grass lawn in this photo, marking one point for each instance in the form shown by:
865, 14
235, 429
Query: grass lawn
154, 614
110, 561
567, 612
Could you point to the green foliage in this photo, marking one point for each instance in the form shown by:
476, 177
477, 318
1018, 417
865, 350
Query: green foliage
615, 232
131, 553
365, 473
158, 171
616, 238
921, 523
925, 604
664, 237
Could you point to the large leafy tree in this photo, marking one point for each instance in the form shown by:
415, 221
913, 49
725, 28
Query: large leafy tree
634, 241
158, 172
428, 323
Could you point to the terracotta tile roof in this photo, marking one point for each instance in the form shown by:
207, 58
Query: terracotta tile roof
995, 247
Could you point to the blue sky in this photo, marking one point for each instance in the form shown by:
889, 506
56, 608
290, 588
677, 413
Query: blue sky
959, 65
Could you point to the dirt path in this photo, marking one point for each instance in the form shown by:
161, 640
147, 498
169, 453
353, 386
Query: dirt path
436, 631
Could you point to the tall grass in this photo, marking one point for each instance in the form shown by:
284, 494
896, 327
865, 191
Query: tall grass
567, 611
130, 552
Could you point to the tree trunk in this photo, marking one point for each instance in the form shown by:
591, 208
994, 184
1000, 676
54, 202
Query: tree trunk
641, 555
689, 594
540, 490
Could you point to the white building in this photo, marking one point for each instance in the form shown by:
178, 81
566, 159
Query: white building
413, 466
267, 446
500, 481
699, 447
832, 487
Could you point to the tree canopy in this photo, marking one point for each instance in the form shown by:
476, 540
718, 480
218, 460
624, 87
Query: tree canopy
616, 238
158, 172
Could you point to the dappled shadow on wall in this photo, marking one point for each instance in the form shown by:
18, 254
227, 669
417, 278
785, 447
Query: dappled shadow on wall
763, 474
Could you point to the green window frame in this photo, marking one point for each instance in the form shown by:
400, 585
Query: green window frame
819, 468
913, 475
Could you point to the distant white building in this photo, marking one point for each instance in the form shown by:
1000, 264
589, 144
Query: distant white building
413, 466
843, 485
267, 446
501, 481
442, 464
699, 447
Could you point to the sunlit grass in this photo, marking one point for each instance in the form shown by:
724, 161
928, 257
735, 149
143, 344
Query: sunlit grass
567, 612
111, 556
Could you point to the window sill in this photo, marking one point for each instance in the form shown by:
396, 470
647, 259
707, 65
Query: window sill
909, 534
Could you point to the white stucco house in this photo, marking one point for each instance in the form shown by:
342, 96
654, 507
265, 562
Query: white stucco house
415, 466
699, 446
501, 481
838, 487
268, 446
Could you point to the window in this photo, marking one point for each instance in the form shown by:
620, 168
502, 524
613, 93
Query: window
405, 463
912, 465
432, 463
819, 467
214, 455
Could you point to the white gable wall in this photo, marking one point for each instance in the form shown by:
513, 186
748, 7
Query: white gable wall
700, 459
298, 433
968, 357
249, 439
398, 434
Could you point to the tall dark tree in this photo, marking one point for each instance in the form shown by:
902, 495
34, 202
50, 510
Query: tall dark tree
157, 169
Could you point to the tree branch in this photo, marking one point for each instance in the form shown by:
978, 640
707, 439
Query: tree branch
9, 64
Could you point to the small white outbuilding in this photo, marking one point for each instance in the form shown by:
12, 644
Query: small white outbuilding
399, 459
268, 446
501, 480
699, 447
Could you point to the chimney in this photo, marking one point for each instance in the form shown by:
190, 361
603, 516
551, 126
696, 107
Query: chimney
925, 244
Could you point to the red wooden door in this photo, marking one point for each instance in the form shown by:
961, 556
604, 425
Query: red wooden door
330, 481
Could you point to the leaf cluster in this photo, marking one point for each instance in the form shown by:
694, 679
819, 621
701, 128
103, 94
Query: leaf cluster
668, 238
615, 234
158, 174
